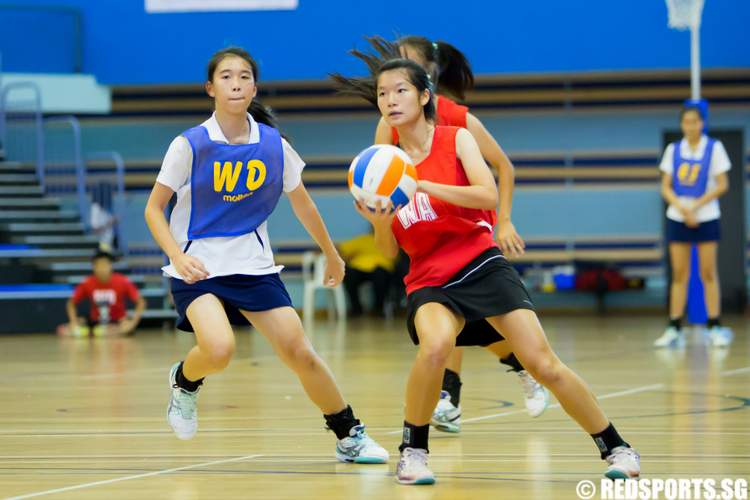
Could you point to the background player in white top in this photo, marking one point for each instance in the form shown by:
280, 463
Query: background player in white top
694, 177
221, 263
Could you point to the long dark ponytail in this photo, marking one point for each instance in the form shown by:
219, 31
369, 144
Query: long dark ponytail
449, 66
257, 110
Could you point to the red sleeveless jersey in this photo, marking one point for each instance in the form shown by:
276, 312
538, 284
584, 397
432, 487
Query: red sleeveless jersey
449, 113
439, 237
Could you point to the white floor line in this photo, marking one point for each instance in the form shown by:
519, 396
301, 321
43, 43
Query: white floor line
137, 476
652, 387
627, 392
729, 373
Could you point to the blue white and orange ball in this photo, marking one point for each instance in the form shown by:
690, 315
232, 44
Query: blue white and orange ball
382, 172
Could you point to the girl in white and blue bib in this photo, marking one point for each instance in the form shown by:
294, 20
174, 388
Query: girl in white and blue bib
694, 176
229, 173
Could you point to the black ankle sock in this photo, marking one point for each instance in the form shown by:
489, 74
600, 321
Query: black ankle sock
712, 322
512, 361
415, 436
184, 383
607, 440
676, 323
452, 384
342, 422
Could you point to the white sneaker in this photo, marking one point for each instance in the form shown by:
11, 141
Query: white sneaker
537, 396
719, 336
412, 468
672, 337
359, 448
446, 417
624, 463
182, 411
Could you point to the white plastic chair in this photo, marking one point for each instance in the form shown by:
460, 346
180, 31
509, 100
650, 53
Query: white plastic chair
313, 269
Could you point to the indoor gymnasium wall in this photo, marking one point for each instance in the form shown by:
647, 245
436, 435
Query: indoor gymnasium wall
498, 37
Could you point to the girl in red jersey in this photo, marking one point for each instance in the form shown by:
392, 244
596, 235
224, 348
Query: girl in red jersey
461, 290
449, 70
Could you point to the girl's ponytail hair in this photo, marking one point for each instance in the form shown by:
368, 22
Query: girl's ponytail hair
448, 66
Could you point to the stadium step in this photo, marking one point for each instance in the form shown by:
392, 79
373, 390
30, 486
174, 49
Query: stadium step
23, 179
57, 241
81, 267
10, 203
71, 228
35, 291
74, 279
41, 236
31, 254
23, 191
38, 215
15, 167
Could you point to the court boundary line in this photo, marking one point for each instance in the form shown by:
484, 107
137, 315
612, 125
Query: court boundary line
626, 392
81, 486
136, 476
737, 371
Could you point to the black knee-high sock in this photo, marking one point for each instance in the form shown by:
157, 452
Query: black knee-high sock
415, 436
452, 385
607, 440
512, 361
184, 383
342, 422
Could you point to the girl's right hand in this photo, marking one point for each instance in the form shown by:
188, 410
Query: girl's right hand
190, 268
380, 216
691, 220
689, 215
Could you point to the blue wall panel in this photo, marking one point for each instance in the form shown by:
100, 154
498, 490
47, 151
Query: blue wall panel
123, 44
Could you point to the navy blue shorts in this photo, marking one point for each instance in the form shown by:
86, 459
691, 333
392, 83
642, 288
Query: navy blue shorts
678, 232
237, 292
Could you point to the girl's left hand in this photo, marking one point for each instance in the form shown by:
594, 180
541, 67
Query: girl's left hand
509, 240
334, 271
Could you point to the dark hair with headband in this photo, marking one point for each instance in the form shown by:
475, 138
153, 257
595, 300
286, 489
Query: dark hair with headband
366, 87
449, 67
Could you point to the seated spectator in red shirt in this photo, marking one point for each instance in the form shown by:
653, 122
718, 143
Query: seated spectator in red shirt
106, 292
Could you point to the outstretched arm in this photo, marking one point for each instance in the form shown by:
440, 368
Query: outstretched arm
506, 235
307, 213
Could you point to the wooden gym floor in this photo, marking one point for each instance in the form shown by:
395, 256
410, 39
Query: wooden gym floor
85, 419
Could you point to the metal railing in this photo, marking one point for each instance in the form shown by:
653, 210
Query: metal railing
35, 112
76, 158
54, 143
120, 200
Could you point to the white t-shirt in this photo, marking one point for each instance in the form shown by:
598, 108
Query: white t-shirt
245, 254
719, 164
102, 222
